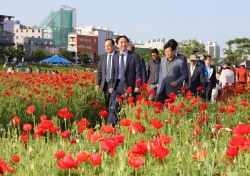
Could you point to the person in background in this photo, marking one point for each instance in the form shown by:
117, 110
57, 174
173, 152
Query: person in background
196, 76
173, 72
103, 75
227, 76
143, 66
242, 74
153, 69
216, 90
210, 78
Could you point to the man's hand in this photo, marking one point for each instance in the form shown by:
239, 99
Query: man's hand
110, 90
173, 84
137, 89
97, 88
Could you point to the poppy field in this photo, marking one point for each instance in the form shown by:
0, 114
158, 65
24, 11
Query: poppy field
54, 124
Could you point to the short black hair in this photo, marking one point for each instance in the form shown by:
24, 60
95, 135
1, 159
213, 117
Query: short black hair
171, 44
119, 37
155, 50
207, 56
112, 41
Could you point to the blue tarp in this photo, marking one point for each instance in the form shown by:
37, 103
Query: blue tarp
56, 59
20, 64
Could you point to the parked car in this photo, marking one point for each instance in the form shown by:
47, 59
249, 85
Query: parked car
88, 62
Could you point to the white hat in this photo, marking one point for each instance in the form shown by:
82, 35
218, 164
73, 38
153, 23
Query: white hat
193, 57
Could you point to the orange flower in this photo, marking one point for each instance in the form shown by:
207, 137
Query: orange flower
200, 154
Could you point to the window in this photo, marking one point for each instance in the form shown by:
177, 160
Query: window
21, 30
33, 30
16, 37
17, 30
27, 30
38, 31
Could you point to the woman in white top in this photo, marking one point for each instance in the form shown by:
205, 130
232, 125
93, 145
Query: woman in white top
227, 76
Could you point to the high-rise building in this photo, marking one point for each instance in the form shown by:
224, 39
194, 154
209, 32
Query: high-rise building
213, 49
6, 32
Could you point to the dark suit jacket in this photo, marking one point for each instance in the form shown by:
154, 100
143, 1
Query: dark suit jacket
197, 79
213, 77
101, 72
178, 72
132, 70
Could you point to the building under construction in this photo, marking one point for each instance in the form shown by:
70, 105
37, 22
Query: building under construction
58, 25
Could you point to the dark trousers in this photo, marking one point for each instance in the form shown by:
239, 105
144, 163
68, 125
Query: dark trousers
114, 105
162, 96
208, 91
106, 96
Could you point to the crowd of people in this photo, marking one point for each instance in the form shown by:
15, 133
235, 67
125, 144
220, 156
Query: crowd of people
121, 69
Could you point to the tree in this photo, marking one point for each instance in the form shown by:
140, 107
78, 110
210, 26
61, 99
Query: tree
10, 51
144, 52
65, 54
83, 56
237, 51
19, 54
191, 47
39, 54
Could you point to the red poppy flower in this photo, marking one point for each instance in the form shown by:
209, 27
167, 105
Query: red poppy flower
200, 154
156, 123
63, 113
45, 125
139, 110
30, 110
136, 162
199, 88
54, 129
96, 159
67, 163
108, 129
65, 134
27, 127
15, 158
24, 137
242, 129
103, 113
144, 87
82, 156
110, 145
3, 166
129, 90
218, 126
166, 139
140, 149
126, 122
60, 154
130, 99
16, 121
138, 81
159, 151
232, 152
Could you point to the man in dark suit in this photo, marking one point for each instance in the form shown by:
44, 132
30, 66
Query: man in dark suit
173, 71
126, 70
210, 78
143, 66
196, 76
104, 70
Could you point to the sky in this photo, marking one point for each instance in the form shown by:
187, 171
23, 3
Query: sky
143, 20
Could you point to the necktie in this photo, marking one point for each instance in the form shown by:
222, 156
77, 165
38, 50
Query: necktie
108, 69
122, 68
